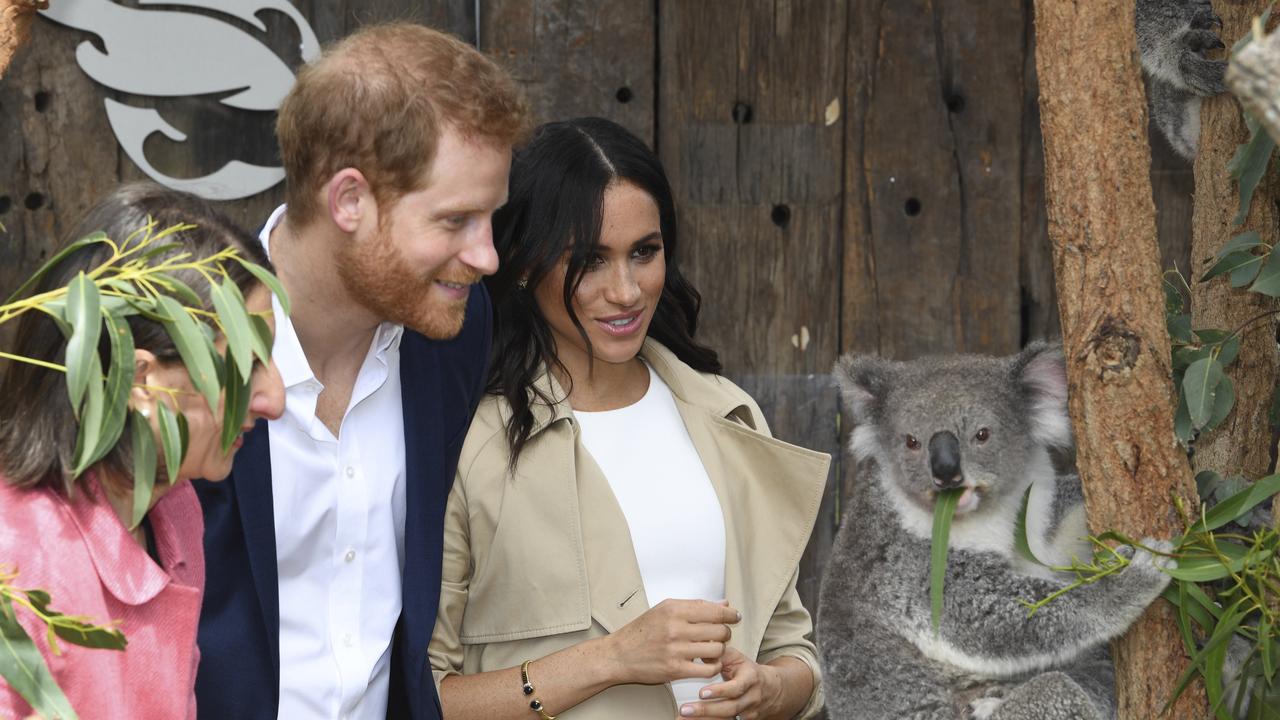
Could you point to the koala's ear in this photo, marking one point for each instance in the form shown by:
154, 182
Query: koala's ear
863, 381
1041, 373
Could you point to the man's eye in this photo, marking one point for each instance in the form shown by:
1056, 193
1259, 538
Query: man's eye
455, 221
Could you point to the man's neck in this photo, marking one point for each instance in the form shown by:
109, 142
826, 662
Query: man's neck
333, 329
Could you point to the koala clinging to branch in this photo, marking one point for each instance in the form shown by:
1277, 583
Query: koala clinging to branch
987, 425
1173, 39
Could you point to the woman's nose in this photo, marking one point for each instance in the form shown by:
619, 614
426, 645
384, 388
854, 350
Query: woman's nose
623, 288
266, 397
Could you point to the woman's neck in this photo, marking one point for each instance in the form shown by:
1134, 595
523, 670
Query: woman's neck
600, 386
119, 493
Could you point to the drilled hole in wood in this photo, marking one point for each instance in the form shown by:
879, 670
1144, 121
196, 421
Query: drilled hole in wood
741, 113
42, 101
624, 94
34, 201
955, 103
781, 215
912, 207
5, 204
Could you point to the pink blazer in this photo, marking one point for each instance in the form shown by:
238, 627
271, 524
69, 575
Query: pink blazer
81, 553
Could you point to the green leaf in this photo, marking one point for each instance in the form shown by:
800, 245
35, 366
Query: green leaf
1182, 420
1180, 328
1206, 482
1020, 541
1246, 273
265, 338
144, 467
89, 434
1235, 507
22, 666
82, 313
235, 406
119, 383
235, 325
1249, 164
1268, 282
1200, 385
1230, 264
1230, 350
1223, 400
192, 347
178, 289
271, 281
1244, 241
171, 439
85, 634
93, 239
1206, 568
943, 511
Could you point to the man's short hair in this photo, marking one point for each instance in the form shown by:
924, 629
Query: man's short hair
379, 100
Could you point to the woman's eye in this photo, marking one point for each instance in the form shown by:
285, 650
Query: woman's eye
647, 252
982, 435
595, 262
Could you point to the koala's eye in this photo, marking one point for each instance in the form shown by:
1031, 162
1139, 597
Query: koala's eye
982, 435
912, 443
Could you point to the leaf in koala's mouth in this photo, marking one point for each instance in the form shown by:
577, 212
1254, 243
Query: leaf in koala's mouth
943, 510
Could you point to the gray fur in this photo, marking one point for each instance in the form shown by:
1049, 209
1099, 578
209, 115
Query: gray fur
1174, 37
880, 657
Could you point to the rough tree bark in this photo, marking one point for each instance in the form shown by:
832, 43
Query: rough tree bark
15, 25
1107, 271
1242, 444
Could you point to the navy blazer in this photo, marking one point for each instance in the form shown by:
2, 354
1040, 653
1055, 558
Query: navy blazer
239, 636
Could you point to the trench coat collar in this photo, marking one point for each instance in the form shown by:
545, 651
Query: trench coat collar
769, 492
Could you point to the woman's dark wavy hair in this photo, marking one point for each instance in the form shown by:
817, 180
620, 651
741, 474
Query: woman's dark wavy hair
554, 207
37, 426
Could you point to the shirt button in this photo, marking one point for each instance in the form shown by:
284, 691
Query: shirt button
351, 555
346, 639
351, 472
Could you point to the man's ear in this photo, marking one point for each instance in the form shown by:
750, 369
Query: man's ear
350, 199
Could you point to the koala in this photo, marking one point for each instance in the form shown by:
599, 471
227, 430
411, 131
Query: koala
1173, 39
986, 425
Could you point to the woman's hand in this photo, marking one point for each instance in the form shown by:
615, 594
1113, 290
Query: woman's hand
663, 644
750, 691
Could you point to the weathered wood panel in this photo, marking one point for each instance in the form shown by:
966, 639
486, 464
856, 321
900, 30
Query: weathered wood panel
575, 58
754, 157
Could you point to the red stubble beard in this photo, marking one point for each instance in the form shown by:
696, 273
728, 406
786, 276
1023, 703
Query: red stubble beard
377, 276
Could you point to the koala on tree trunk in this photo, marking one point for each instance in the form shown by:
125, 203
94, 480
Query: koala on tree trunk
985, 425
1174, 39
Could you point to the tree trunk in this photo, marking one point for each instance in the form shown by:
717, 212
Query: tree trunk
1242, 444
15, 26
1107, 271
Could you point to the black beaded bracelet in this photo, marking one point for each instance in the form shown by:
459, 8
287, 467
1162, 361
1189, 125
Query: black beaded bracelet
525, 685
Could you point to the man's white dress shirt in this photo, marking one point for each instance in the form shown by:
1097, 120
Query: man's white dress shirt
339, 524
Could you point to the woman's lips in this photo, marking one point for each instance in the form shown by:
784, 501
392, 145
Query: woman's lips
620, 325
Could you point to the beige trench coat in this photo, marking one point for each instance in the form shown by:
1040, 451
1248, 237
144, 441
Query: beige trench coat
543, 560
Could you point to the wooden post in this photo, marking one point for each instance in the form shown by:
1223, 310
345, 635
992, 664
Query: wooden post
15, 26
1242, 444
1107, 272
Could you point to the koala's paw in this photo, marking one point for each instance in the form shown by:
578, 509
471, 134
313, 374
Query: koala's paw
1201, 74
1147, 569
983, 708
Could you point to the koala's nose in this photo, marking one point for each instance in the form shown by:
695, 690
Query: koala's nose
944, 459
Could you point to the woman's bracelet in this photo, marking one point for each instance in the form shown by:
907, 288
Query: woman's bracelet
535, 704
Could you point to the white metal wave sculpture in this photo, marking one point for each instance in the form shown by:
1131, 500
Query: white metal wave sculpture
168, 53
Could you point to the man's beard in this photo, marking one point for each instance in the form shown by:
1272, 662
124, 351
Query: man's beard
378, 277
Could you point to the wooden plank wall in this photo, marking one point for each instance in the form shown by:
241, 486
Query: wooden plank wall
852, 175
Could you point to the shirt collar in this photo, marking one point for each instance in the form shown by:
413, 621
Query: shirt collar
123, 566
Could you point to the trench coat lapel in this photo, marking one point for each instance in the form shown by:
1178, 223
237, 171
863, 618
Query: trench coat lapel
616, 586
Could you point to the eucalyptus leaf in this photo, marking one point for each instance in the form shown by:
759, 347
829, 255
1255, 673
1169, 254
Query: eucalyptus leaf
192, 347
943, 511
1244, 241
1180, 328
1200, 385
1223, 400
22, 666
266, 338
178, 289
1230, 264
78, 631
89, 433
271, 281
82, 314
1249, 164
1182, 420
1021, 542
235, 405
1246, 273
92, 239
144, 467
1235, 507
1206, 482
235, 326
119, 383
1268, 282
1230, 350
171, 440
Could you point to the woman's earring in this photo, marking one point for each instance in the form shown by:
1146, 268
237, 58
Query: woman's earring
522, 283
145, 412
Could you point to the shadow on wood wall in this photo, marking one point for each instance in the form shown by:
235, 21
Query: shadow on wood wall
857, 176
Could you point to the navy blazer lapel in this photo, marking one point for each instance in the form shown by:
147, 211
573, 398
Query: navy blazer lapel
424, 511
257, 515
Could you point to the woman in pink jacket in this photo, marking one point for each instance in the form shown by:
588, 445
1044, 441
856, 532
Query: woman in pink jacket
76, 539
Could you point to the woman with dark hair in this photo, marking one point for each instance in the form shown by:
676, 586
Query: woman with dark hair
623, 534
75, 536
